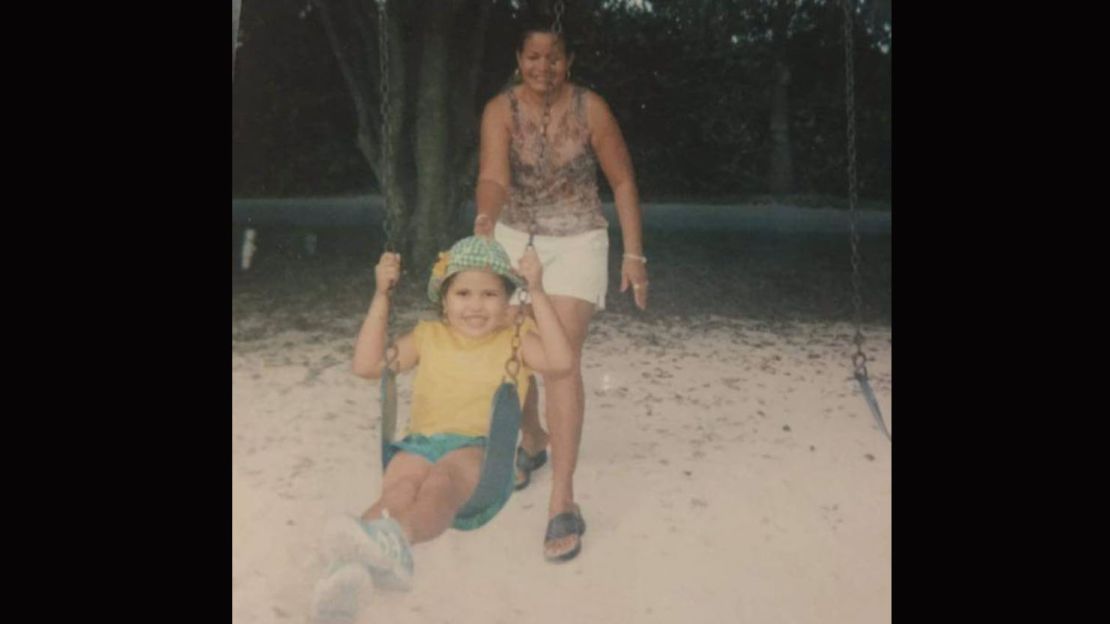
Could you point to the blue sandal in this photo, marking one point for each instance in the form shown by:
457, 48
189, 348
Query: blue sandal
563, 525
525, 464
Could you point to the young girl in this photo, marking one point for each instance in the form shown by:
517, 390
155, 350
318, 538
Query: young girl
433, 471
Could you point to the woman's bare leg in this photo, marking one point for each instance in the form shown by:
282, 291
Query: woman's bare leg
565, 403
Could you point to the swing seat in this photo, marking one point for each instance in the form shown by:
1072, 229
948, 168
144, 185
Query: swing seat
389, 411
497, 469
869, 396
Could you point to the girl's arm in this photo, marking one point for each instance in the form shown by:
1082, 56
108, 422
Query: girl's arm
616, 164
370, 344
490, 193
548, 350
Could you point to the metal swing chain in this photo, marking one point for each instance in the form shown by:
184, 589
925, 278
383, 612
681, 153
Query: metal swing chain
557, 27
389, 223
859, 358
549, 77
512, 365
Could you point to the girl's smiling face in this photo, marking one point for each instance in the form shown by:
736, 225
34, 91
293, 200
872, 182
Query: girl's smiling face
476, 303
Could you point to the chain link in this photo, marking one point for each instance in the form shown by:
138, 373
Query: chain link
389, 223
859, 359
512, 365
544, 158
557, 27
548, 96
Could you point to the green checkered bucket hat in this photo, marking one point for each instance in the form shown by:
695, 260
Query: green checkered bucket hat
473, 252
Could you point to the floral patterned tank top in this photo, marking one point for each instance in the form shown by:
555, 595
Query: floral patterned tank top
563, 196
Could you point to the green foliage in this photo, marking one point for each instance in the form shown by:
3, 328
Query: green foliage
689, 82
292, 125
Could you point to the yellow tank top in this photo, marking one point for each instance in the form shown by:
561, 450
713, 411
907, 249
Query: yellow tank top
457, 377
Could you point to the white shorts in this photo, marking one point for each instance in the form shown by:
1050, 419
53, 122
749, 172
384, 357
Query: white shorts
573, 266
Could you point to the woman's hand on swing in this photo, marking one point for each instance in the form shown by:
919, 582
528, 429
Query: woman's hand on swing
387, 272
531, 269
483, 225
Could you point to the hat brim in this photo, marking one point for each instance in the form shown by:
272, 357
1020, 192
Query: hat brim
435, 284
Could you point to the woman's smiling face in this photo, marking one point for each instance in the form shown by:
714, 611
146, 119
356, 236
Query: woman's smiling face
543, 58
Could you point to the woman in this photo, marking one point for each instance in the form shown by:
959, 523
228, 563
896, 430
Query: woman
544, 184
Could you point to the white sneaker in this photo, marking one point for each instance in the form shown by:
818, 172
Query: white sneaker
338, 598
380, 545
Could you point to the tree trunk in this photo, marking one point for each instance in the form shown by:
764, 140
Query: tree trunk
433, 121
465, 116
541, 7
432, 170
879, 11
782, 161
355, 80
235, 6
393, 185
363, 83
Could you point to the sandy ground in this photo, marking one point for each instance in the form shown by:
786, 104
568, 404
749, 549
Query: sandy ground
730, 469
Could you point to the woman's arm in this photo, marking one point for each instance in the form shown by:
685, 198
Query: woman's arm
491, 192
616, 164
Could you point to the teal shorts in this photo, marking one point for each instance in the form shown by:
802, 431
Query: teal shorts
433, 448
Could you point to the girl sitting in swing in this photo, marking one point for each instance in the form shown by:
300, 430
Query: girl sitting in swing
433, 471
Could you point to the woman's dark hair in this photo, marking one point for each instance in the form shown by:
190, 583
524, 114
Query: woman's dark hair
510, 287
539, 23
